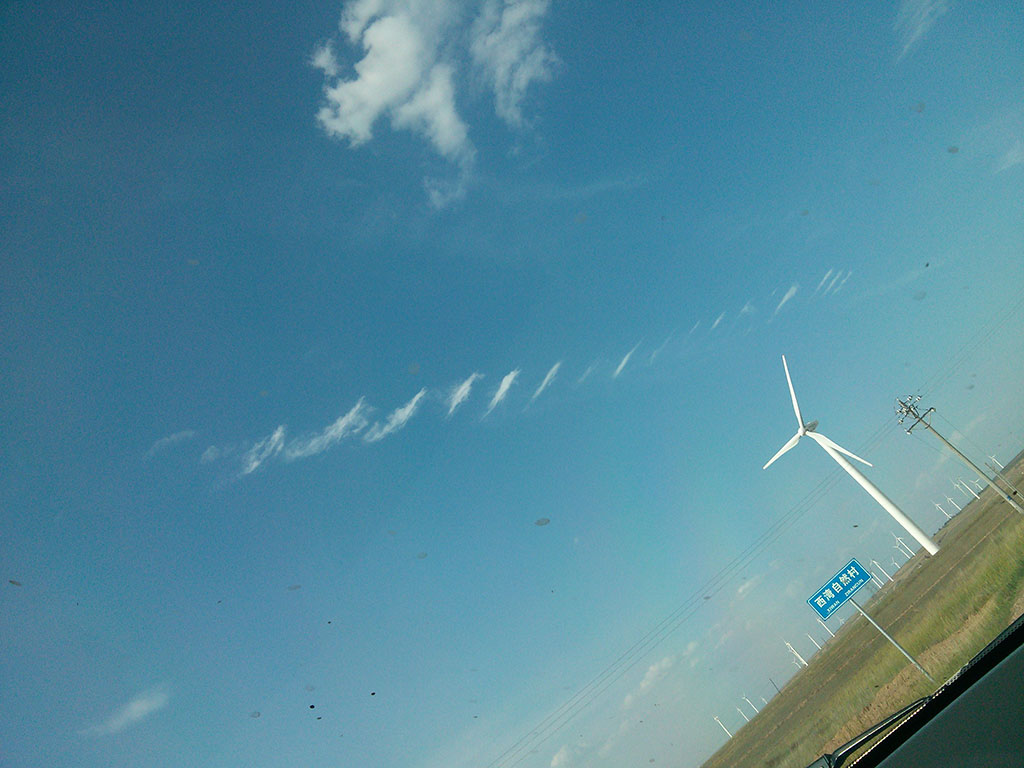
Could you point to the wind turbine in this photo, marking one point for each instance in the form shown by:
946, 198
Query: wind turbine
903, 544
976, 484
997, 462
836, 452
798, 658
970, 490
744, 697
961, 489
723, 727
958, 507
743, 713
879, 566
942, 511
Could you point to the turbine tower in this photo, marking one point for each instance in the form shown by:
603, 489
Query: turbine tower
997, 462
836, 452
942, 511
958, 507
723, 727
744, 697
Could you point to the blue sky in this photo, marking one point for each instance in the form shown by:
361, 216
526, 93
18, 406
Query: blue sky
388, 382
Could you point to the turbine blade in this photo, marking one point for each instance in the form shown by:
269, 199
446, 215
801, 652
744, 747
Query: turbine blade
792, 394
835, 446
782, 450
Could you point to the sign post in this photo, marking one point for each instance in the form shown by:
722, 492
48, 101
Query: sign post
840, 589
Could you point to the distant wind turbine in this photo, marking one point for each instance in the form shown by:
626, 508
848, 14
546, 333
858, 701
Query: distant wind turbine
969, 489
948, 517
977, 484
723, 727
958, 507
743, 713
836, 452
997, 462
744, 697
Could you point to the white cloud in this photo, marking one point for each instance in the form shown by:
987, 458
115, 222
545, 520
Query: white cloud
586, 373
502, 390
547, 380
1014, 156
835, 279
747, 585
460, 392
413, 54
748, 309
135, 711
842, 282
914, 20
323, 58
823, 279
625, 360
263, 450
165, 442
396, 420
695, 327
349, 424
212, 454
659, 350
401, 76
789, 295
506, 47
717, 321
653, 674
562, 757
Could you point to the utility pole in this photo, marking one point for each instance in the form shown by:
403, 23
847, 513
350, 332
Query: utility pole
813, 640
773, 683
1001, 476
908, 408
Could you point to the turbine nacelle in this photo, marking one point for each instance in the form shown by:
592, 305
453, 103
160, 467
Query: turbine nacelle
807, 428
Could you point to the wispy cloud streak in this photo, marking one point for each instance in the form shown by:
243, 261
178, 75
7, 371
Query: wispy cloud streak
625, 360
166, 442
266, 448
396, 420
349, 424
915, 19
547, 380
460, 392
785, 299
502, 390
826, 277
1014, 156
135, 711
718, 321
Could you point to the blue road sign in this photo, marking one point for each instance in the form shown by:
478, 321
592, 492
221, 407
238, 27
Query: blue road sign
839, 589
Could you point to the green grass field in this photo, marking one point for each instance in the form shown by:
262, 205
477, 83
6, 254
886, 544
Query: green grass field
942, 609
